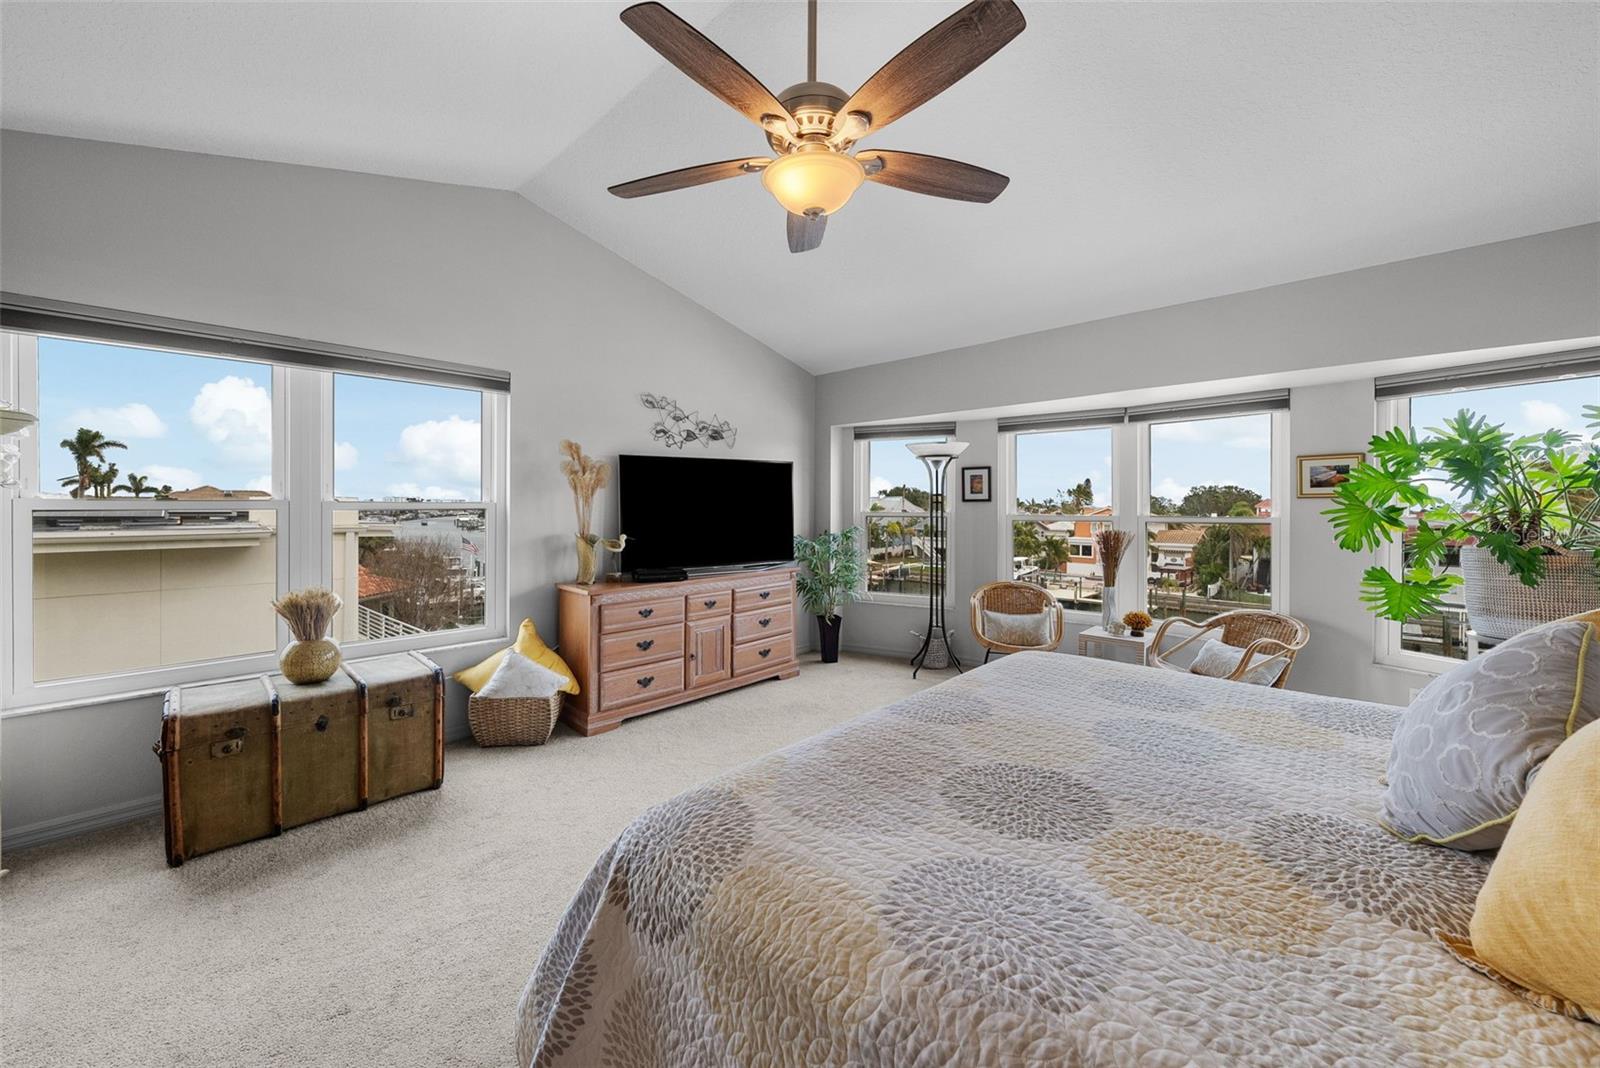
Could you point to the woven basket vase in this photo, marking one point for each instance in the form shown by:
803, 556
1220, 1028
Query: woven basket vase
1500, 606
512, 720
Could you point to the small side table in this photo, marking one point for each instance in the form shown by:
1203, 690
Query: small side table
1105, 640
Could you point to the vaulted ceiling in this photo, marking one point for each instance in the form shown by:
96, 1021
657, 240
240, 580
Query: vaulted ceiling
1158, 153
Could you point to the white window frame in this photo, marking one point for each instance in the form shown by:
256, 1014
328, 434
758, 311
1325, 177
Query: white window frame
1279, 484
863, 499
1130, 481
302, 500
1120, 444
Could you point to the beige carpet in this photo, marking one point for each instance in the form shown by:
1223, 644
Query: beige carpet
397, 936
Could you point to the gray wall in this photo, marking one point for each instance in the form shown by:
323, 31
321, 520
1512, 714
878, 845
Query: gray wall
1326, 337
432, 270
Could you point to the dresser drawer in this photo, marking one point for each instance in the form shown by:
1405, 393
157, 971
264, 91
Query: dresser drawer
630, 615
710, 603
641, 683
762, 597
641, 646
753, 626
753, 656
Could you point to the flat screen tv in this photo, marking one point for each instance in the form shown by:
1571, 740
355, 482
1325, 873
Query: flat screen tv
699, 512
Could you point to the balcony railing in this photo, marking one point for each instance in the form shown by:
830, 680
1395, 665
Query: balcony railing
370, 623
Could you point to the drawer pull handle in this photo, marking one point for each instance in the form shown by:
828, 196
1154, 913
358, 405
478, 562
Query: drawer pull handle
647, 643
646, 613
765, 622
765, 594
711, 603
763, 654
646, 681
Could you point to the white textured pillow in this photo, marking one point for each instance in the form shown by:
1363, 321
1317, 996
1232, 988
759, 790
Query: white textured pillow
1014, 628
517, 676
1219, 660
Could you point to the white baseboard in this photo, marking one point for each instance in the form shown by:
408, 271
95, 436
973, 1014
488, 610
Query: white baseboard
94, 819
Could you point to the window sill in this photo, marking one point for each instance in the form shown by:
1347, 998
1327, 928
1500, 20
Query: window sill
904, 600
157, 689
1416, 663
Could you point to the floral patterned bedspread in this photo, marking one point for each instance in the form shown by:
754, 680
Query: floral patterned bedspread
1050, 860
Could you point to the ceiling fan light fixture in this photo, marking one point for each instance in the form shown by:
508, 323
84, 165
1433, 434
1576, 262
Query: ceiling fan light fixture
813, 179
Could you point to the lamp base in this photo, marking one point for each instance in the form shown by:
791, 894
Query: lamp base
935, 653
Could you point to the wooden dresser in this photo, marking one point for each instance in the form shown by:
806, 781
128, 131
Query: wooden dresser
641, 646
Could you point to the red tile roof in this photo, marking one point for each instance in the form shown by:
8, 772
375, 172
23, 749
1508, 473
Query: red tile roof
369, 584
1181, 536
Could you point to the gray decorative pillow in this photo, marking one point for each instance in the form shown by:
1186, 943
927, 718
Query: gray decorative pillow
1218, 659
1011, 628
1469, 745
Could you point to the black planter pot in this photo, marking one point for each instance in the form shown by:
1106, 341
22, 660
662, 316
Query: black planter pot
828, 637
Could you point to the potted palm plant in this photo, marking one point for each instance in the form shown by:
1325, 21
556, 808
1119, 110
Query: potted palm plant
1524, 513
832, 579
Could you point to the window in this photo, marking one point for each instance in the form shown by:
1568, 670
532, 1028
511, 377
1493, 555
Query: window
894, 515
1213, 477
1204, 473
402, 569
157, 503
1061, 494
1522, 408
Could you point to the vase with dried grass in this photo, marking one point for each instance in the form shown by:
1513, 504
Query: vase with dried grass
1112, 545
587, 477
312, 656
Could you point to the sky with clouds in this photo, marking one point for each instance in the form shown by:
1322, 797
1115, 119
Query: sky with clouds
194, 420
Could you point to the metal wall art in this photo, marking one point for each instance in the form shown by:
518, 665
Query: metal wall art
676, 428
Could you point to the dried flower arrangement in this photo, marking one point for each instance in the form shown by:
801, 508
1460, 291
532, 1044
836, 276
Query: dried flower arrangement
308, 612
1137, 622
1113, 545
587, 477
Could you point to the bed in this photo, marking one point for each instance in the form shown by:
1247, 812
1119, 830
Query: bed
1050, 860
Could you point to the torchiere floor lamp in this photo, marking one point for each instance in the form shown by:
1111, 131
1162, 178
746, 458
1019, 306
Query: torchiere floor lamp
936, 457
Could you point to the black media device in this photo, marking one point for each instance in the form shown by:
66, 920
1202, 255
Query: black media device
659, 574
694, 513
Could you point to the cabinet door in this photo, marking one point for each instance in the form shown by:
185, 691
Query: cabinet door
709, 655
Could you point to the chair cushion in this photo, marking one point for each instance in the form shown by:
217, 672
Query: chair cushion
1219, 660
1009, 628
1538, 912
1466, 749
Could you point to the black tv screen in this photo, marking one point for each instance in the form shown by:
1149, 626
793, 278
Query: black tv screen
699, 512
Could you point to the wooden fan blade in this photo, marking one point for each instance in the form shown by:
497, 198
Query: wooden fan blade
694, 53
805, 231
937, 60
683, 179
934, 176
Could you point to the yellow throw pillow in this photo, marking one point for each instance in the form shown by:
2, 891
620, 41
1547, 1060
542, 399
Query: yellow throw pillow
1538, 912
530, 645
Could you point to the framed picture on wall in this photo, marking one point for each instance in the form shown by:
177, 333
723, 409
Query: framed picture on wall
975, 484
1321, 475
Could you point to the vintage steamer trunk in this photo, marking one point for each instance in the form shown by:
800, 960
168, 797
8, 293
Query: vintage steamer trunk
244, 760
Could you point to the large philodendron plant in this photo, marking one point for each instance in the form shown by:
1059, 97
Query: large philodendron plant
832, 576
1519, 498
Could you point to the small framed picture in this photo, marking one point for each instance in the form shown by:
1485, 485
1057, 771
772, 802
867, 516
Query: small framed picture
1320, 476
975, 484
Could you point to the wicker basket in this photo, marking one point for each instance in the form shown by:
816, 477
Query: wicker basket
1500, 606
512, 720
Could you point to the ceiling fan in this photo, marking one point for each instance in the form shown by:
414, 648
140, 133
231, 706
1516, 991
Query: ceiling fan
813, 127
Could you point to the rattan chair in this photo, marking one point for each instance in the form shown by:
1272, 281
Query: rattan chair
1016, 598
1264, 637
